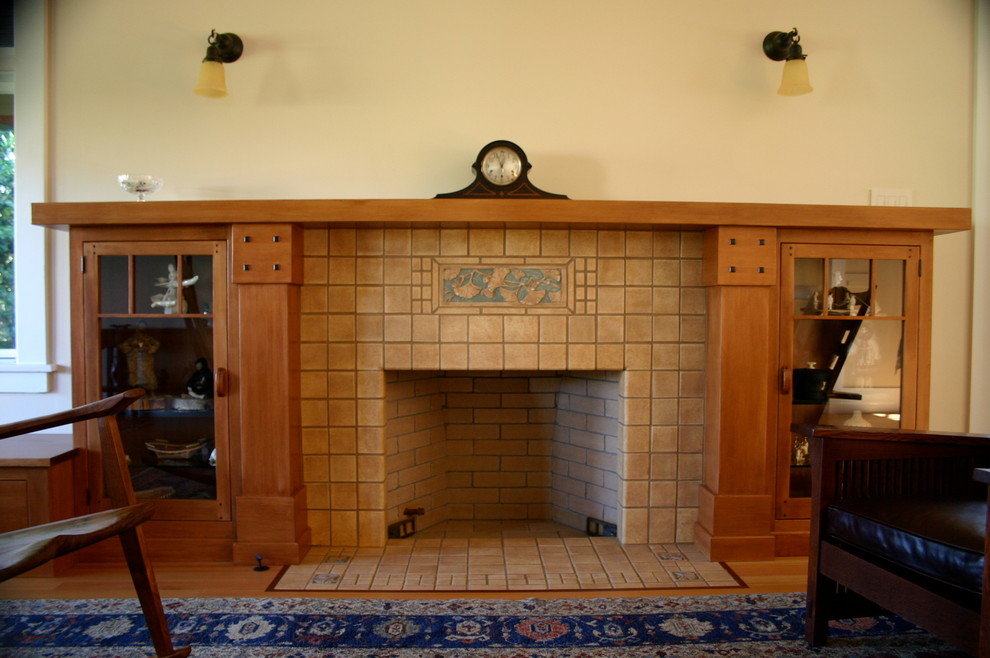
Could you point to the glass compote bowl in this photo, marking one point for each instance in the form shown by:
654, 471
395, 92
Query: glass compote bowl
140, 185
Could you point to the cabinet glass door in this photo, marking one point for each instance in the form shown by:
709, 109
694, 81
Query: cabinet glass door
848, 340
158, 315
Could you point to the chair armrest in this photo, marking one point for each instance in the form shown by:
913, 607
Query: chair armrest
982, 475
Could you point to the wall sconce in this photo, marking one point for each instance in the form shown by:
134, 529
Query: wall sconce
223, 49
784, 46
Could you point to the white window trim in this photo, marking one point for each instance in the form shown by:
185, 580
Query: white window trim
27, 369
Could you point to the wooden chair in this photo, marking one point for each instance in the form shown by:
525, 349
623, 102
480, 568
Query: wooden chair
899, 524
25, 549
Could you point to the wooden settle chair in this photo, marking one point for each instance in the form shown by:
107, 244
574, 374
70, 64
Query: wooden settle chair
899, 523
25, 549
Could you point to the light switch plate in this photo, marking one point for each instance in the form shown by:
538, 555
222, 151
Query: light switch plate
886, 196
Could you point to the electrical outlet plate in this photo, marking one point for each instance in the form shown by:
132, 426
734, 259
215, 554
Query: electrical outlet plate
886, 196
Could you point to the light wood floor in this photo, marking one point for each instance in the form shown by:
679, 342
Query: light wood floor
220, 580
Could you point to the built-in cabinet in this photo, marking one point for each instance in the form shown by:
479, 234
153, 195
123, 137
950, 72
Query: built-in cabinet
215, 440
155, 317
849, 349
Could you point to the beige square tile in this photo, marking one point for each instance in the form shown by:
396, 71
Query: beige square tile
485, 356
313, 299
638, 355
611, 300
486, 242
666, 328
664, 439
398, 241
313, 356
398, 356
521, 328
398, 299
522, 357
555, 242
612, 243
522, 242
639, 300
611, 271
425, 241
581, 329
453, 242
369, 356
581, 357
398, 271
342, 441
339, 327
693, 300
584, 243
485, 329
453, 329
453, 356
315, 241
340, 271
611, 328
610, 357
398, 328
340, 299
666, 300
370, 328
425, 328
314, 413
369, 241
343, 528
369, 299
639, 271
425, 356
553, 329
369, 271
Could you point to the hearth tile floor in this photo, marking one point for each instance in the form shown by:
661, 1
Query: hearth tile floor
510, 556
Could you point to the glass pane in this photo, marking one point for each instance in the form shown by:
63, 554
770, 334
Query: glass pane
156, 284
849, 288
846, 372
169, 434
809, 273
113, 284
197, 284
890, 288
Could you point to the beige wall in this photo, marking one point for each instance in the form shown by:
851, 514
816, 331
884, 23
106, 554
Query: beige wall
629, 99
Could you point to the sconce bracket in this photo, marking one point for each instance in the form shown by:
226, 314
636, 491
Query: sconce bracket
777, 45
228, 46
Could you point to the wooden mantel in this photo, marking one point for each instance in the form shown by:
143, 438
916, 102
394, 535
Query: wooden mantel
426, 212
736, 508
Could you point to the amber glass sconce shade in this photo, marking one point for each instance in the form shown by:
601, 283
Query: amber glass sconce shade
223, 49
785, 46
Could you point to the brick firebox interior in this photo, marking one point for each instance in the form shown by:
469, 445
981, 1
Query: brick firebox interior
490, 373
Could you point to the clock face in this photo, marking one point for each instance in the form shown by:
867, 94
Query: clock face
501, 166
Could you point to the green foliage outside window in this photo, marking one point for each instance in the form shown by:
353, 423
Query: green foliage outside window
6, 239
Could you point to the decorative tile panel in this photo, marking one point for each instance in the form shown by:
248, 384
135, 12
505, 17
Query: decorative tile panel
516, 285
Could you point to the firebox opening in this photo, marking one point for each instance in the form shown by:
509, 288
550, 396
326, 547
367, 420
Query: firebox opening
502, 445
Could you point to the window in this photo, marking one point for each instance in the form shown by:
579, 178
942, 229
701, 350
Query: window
25, 367
6, 221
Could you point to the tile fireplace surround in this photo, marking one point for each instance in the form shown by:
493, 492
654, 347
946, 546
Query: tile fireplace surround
432, 380
490, 360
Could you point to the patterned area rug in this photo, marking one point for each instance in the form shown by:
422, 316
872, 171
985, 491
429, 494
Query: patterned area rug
726, 625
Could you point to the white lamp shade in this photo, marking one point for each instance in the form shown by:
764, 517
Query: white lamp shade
795, 81
212, 82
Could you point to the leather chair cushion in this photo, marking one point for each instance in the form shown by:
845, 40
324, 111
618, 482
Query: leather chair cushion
939, 537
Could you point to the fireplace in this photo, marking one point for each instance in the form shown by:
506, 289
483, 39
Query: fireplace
502, 445
495, 373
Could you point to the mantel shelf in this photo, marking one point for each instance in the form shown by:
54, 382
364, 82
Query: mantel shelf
502, 212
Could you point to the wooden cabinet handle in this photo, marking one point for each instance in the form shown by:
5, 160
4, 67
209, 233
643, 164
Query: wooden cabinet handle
785, 380
220, 382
